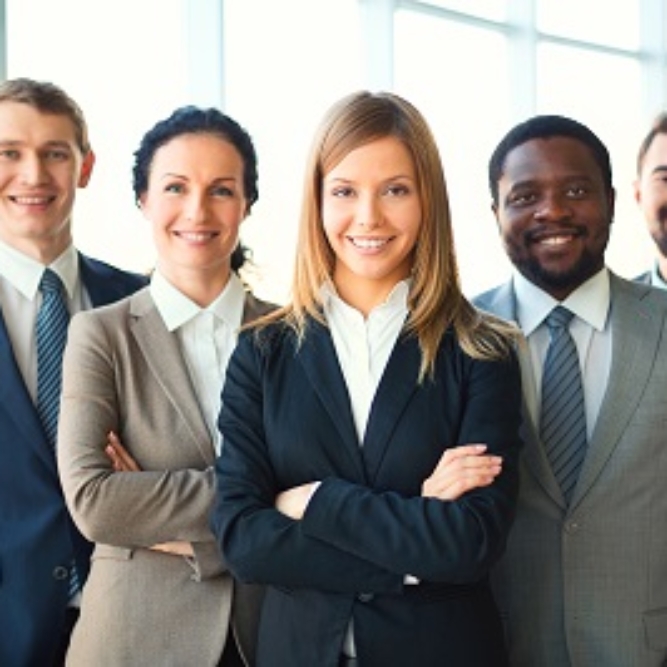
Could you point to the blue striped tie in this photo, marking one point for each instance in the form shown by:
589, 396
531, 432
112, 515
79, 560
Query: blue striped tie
51, 335
563, 420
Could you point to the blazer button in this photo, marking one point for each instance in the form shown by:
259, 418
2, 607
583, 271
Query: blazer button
60, 573
365, 597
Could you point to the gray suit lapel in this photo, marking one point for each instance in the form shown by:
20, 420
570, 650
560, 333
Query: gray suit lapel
502, 303
164, 358
636, 328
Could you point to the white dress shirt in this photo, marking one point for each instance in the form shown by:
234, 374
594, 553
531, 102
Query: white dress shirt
207, 337
363, 344
656, 278
363, 347
589, 328
20, 300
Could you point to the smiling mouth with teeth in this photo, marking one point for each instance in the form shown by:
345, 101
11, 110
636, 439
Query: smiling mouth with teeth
196, 236
368, 243
556, 240
32, 201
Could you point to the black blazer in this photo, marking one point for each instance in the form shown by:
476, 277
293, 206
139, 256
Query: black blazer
37, 536
286, 420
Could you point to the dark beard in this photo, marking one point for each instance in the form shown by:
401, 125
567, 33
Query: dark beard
560, 281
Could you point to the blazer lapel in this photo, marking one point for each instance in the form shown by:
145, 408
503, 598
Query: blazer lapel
254, 308
164, 358
534, 455
396, 387
503, 304
17, 402
636, 335
319, 361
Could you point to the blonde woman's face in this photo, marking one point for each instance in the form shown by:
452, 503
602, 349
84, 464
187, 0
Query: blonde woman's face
372, 215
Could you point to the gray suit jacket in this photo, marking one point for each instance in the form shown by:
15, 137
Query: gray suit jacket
124, 371
586, 585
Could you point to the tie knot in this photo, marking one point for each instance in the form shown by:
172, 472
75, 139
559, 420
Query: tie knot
50, 282
559, 318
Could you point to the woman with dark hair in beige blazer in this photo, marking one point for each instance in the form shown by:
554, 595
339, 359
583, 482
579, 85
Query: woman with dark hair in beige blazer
141, 387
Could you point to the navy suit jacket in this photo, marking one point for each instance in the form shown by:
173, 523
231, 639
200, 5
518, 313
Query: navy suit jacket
286, 420
37, 537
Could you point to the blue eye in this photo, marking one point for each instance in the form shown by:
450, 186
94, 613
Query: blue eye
9, 154
223, 191
57, 155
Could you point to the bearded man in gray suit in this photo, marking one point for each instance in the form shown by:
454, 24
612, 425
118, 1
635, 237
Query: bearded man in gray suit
584, 579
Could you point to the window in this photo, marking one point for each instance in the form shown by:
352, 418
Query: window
473, 67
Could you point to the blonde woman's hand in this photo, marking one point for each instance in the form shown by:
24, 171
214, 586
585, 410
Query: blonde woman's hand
293, 502
461, 469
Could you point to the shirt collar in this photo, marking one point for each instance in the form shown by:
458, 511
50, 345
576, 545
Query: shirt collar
396, 300
25, 273
656, 279
589, 302
177, 309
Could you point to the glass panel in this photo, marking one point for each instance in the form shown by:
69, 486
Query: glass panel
604, 92
494, 10
610, 23
468, 109
123, 83
280, 83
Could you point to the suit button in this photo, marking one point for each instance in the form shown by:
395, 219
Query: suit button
365, 597
572, 527
60, 573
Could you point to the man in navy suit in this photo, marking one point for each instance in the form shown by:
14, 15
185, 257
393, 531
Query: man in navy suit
44, 157
651, 195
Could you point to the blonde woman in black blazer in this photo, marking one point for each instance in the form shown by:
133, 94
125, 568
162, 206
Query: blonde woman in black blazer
372, 504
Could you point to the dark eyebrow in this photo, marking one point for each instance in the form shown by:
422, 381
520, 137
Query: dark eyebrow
659, 169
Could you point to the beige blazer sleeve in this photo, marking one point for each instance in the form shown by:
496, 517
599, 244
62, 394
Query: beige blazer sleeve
123, 371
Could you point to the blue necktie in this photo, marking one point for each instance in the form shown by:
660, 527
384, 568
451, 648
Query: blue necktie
563, 420
51, 335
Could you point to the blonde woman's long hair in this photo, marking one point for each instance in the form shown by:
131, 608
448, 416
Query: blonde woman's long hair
435, 301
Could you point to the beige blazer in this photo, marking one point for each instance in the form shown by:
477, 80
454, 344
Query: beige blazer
124, 371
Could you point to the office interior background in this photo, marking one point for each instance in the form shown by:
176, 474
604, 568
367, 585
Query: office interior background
473, 67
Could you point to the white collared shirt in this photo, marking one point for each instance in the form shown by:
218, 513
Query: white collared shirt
207, 337
590, 329
20, 300
364, 344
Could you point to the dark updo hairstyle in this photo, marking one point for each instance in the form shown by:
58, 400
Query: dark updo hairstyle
195, 120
